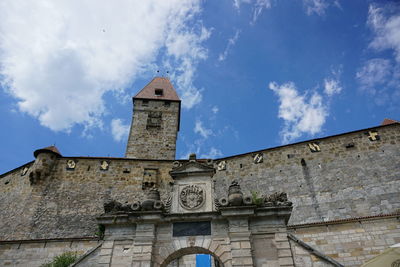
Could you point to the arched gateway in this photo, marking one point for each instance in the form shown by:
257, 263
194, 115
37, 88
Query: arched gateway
188, 251
237, 230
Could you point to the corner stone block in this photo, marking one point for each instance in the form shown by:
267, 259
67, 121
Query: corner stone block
213, 247
235, 245
104, 259
286, 261
106, 251
281, 237
206, 242
284, 253
282, 244
245, 244
199, 241
221, 249
177, 244
241, 253
107, 244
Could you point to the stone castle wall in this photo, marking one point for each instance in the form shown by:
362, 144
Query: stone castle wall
335, 183
154, 130
65, 203
33, 254
351, 243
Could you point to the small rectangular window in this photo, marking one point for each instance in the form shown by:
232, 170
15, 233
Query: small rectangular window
158, 92
145, 102
167, 103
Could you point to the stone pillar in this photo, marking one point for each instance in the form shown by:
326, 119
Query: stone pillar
143, 244
104, 259
239, 234
285, 256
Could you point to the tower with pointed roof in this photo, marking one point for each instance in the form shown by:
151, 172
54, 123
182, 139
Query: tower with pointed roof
155, 122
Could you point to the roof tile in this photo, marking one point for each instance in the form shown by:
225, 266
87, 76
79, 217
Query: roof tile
149, 91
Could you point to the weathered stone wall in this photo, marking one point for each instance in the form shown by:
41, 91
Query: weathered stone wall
65, 203
153, 137
33, 254
351, 243
335, 183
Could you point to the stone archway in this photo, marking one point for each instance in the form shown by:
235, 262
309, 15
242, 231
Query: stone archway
236, 234
187, 251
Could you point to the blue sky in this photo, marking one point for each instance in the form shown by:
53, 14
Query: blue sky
252, 74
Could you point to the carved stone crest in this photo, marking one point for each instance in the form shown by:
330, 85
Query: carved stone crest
71, 164
24, 171
221, 166
192, 197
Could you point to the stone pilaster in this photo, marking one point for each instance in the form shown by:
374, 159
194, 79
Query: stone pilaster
285, 256
105, 255
143, 244
239, 235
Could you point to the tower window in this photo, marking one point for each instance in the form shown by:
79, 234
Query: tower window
158, 92
145, 102
167, 103
154, 120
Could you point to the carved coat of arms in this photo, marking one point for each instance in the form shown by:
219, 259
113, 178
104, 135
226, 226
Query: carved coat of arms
192, 197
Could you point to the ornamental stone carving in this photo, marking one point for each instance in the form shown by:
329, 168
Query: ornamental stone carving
192, 197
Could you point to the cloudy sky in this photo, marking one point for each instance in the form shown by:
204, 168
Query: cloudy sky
252, 74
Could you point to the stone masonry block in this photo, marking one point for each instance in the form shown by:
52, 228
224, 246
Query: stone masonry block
285, 261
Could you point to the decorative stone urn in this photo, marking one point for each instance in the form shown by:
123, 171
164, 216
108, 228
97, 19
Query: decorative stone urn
235, 195
153, 200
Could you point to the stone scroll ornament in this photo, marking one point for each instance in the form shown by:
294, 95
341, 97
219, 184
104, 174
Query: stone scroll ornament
236, 198
192, 197
152, 203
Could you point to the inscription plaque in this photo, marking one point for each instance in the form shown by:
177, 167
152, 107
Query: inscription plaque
191, 228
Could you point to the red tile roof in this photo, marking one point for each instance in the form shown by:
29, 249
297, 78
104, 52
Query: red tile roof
52, 149
149, 91
388, 121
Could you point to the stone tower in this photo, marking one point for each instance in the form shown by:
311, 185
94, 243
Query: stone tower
155, 122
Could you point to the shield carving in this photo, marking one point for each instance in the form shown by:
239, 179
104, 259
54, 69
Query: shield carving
192, 197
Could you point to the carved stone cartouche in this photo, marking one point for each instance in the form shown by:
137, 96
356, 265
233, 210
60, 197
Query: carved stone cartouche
152, 196
235, 195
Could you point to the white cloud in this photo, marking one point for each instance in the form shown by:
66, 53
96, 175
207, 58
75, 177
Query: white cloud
119, 130
316, 6
301, 113
212, 154
215, 109
380, 76
58, 59
200, 129
257, 5
231, 42
332, 86
386, 28
374, 72
237, 3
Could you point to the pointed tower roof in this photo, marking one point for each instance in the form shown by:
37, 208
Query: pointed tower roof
51, 149
388, 121
160, 88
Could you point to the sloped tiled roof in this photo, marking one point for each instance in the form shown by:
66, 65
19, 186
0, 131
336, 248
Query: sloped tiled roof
52, 149
388, 121
149, 91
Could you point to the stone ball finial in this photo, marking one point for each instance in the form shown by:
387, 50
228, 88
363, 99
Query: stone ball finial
192, 157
